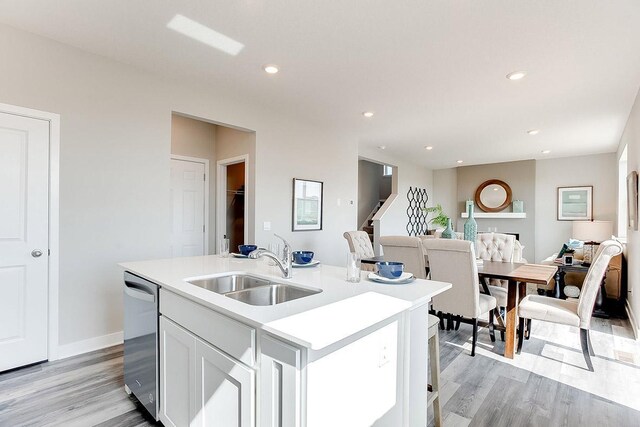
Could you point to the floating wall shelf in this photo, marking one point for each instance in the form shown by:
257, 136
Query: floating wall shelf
497, 215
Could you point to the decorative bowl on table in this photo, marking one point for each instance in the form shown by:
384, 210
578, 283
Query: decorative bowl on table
247, 249
302, 257
390, 269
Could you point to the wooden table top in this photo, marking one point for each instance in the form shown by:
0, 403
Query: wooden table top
519, 272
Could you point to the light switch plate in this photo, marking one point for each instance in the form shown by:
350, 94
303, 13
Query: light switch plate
266, 226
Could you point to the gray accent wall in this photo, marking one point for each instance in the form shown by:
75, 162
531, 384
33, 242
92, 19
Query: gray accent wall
598, 170
369, 183
521, 177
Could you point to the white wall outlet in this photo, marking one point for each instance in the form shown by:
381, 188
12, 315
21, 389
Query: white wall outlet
266, 226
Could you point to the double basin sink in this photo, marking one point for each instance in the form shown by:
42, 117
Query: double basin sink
253, 290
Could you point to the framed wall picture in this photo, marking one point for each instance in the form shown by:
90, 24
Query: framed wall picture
632, 201
575, 203
307, 205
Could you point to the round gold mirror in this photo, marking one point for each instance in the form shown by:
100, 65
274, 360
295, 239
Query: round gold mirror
493, 195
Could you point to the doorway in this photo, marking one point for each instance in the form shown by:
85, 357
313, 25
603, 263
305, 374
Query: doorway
29, 188
232, 193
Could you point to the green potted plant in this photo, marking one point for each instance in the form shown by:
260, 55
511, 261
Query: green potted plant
440, 219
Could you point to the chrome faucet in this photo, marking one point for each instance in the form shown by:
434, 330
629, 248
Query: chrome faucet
284, 264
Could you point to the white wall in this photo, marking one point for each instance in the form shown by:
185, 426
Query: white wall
445, 192
598, 170
195, 138
114, 179
631, 138
395, 220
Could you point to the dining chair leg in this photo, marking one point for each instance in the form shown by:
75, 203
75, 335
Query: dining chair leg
475, 337
528, 330
492, 331
502, 336
441, 317
591, 353
520, 334
449, 321
457, 323
584, 342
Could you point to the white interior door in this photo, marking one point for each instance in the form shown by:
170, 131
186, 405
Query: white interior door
24, 228
187, 198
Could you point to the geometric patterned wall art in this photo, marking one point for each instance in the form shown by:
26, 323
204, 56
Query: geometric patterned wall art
418, 198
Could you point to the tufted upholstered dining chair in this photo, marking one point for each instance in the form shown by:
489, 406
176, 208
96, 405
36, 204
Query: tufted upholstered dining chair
454, 261
408, 250
571, 312
496, 247
360, 243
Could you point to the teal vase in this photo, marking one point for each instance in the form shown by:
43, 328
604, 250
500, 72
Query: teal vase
471, 226
448, 232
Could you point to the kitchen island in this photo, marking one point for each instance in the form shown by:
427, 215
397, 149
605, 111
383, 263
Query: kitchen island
352, 354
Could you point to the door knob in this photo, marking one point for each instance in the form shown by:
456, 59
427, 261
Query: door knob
36, 253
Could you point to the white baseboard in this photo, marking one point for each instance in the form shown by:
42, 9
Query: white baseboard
633, 321
91, 344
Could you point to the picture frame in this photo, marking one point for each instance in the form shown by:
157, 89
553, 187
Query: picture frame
307, 205
575, 203
632, 201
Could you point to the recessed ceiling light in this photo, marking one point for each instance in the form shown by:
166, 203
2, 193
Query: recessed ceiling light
368, 114
516, 75
204, 34
460, 161
546, 151
533, 131
271, 69
382, 147
428, 147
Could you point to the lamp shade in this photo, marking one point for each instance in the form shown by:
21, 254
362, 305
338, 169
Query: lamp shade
592, 231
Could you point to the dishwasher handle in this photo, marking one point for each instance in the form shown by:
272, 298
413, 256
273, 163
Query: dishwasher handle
138, 293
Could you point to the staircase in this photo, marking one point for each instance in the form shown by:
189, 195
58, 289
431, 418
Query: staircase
368, 228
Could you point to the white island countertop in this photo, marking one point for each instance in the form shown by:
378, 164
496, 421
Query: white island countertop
314, 321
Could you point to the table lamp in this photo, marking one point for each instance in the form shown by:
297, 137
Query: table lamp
592, 233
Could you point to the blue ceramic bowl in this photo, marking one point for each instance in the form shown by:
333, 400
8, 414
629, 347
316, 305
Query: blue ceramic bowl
390, 269
302, 257
247, 249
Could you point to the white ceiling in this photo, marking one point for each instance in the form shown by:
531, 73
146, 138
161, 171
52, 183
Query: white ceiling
432, 70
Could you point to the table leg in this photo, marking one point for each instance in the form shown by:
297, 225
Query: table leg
512, 295
599, 309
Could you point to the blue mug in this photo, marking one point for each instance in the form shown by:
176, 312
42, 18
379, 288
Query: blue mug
247, 249
390, 269
302, 257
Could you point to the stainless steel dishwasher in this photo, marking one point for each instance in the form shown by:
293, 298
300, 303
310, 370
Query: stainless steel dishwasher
141, 341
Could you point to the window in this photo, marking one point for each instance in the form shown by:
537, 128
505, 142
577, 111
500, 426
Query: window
387, 170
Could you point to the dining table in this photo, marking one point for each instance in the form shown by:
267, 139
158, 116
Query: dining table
517, 276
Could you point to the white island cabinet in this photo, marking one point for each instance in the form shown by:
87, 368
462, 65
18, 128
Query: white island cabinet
351, 355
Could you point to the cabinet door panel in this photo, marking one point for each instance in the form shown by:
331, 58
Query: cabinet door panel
177, 374
225, 393
280, 398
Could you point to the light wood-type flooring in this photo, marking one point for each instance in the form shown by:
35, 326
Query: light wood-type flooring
547, 385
